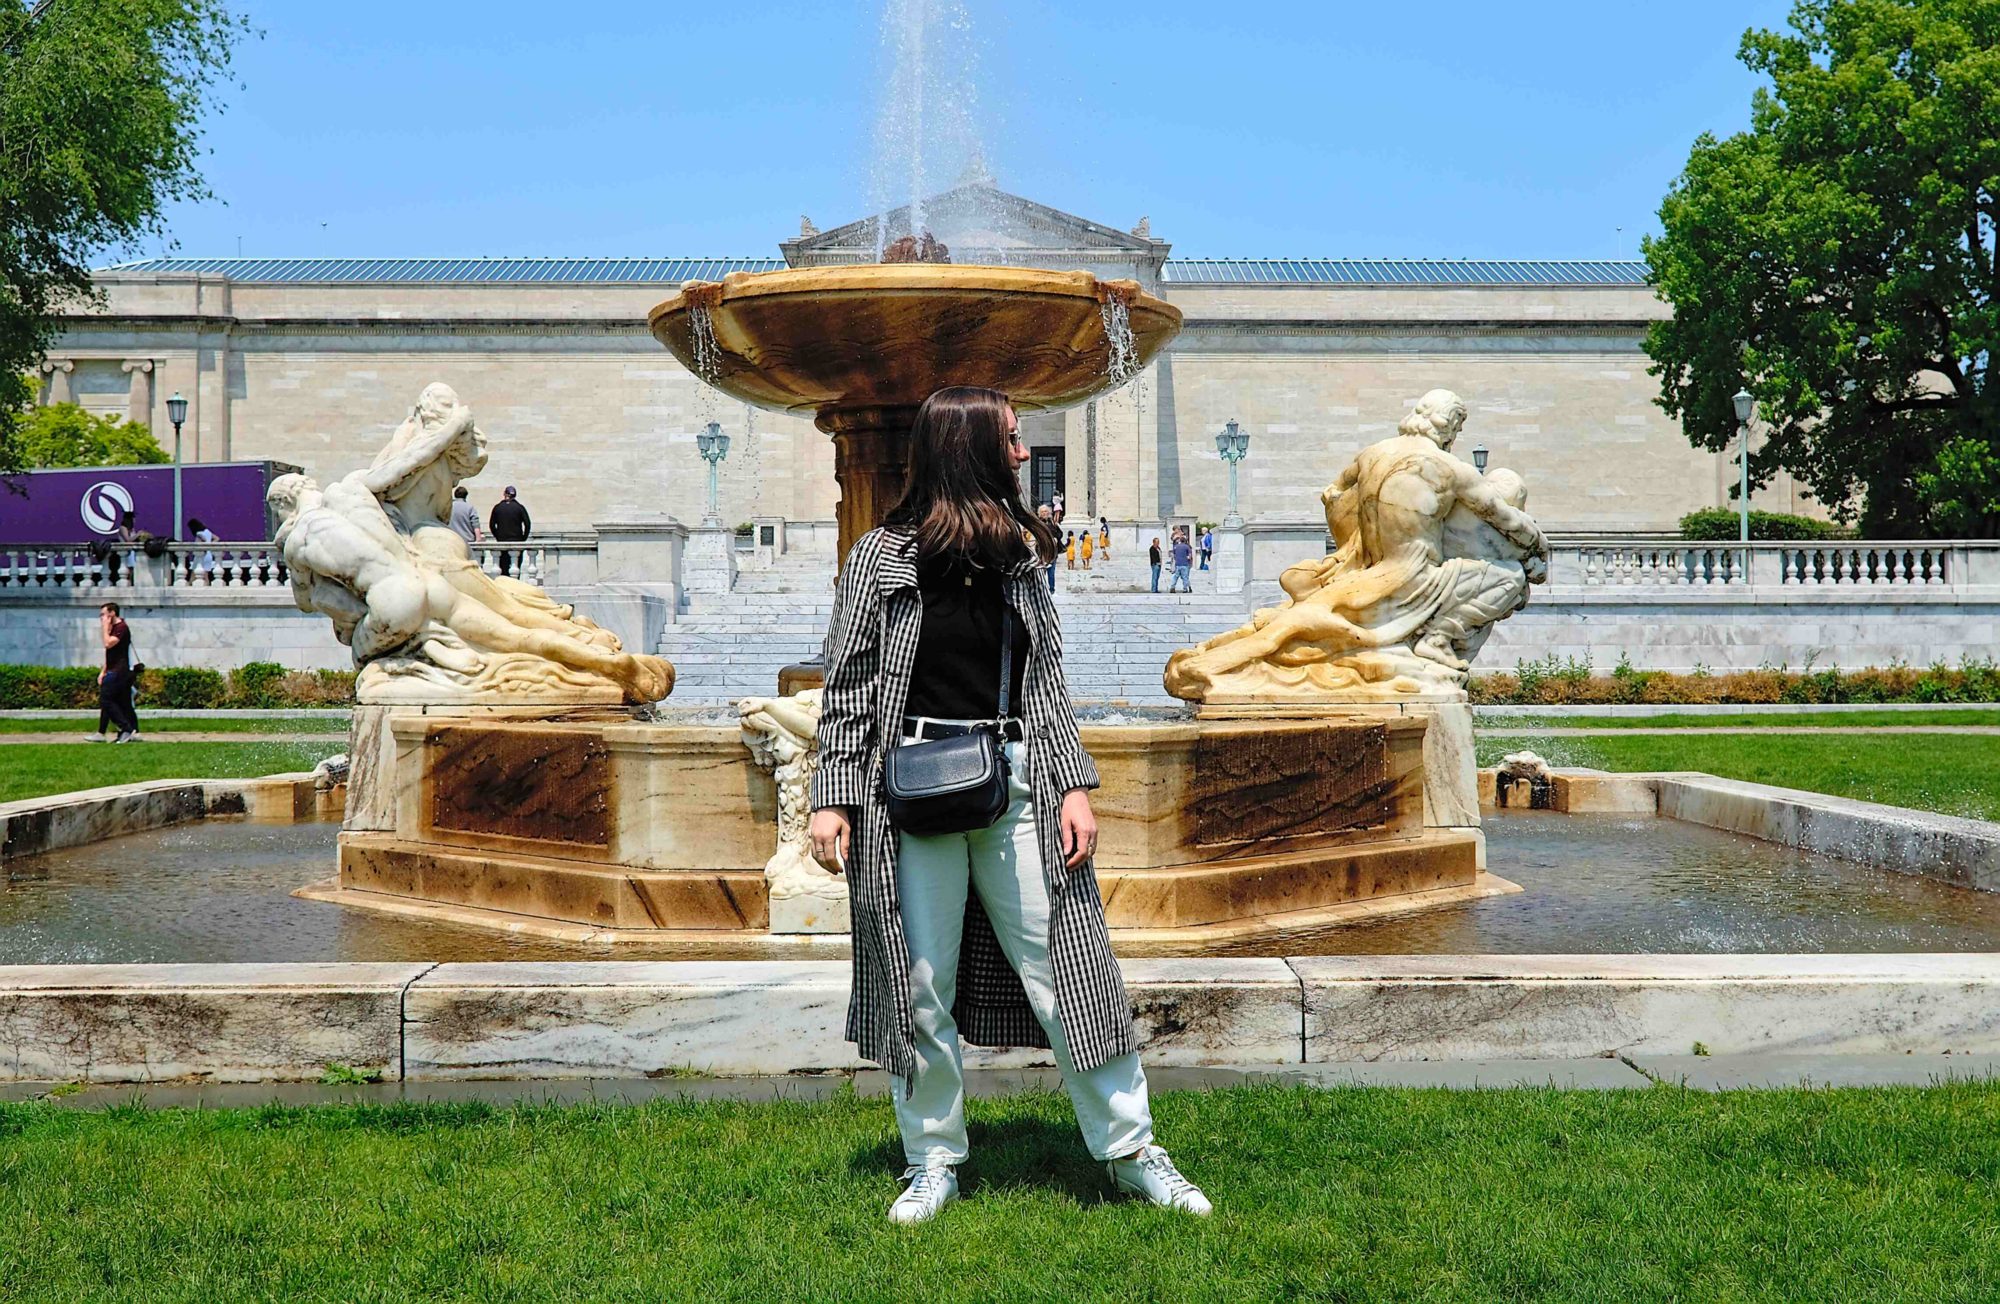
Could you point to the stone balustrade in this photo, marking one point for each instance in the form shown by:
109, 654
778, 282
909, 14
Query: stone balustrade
1937, 565
548, 560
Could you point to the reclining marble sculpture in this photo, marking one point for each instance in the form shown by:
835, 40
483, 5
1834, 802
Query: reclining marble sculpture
782, 734
1429, 555
373, 552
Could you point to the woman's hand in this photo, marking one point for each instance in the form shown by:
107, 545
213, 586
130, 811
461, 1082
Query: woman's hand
831, 832
1079, 827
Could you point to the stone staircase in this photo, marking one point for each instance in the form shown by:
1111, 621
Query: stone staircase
1115, 641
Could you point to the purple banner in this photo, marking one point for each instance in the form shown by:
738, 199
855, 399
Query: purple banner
76, 506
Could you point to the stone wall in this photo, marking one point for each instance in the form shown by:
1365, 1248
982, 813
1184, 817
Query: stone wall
590, 417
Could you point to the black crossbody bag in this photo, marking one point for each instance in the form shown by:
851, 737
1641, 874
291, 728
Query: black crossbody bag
954, 785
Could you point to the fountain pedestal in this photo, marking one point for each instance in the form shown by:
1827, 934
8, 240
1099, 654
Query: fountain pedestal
871, 460
1213, 835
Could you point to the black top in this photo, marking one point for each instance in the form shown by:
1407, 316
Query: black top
957, 671
118, 657
1154, 553
509, 523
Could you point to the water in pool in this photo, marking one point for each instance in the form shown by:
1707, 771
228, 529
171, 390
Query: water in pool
1606, 883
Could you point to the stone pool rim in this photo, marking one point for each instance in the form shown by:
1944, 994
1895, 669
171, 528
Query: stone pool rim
533, 1021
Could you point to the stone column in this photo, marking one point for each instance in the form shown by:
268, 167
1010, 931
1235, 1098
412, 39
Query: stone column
870, 461
139, 406
711, 559
58, 371
634, 588
1231, 560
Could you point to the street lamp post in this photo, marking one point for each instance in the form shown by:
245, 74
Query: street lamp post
177, 410
714, 446
1479, 459
1233, 444
1746, 407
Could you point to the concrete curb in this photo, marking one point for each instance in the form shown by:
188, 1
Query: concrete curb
38, 824
667, 1019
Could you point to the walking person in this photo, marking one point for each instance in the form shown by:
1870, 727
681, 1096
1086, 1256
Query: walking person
464, 517
1089, 546
205, 563
1153, 556
115, 706
509, 523
1104, 537
997, 933
1207, 546
1183, 565
1069, 549
1046, 515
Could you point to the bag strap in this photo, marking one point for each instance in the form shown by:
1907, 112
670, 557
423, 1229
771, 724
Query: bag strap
1006, 643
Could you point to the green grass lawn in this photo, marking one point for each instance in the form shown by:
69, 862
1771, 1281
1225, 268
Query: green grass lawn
305, 722
1347, 1194
1802, 720
36, 769
1957, 774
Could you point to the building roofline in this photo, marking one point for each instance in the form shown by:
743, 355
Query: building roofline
1360, 272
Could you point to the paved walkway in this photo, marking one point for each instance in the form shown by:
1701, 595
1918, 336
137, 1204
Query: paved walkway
1706, 1073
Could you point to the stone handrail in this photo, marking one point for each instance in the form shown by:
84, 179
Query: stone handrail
550, 559
1946, 565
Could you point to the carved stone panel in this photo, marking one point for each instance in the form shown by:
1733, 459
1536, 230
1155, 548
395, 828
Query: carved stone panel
1252, 784
522, 784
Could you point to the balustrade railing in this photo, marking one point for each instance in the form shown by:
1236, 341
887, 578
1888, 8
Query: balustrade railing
1836, 564
553, 559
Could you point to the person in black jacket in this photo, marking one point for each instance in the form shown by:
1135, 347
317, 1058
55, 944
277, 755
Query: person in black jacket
996, 935
509, 523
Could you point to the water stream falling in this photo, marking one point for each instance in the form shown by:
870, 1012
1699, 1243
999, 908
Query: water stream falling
707, 351
1117, 313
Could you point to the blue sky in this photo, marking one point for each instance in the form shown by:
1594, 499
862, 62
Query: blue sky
444, 127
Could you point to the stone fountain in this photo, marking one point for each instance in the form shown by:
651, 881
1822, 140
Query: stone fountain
1319, 781
860, 347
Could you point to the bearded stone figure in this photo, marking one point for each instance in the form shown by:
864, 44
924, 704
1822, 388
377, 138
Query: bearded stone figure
373, 552
1429, 554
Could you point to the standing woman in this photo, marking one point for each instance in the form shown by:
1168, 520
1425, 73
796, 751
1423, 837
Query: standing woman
998, 933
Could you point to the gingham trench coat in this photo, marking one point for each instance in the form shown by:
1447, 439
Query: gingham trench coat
871, 648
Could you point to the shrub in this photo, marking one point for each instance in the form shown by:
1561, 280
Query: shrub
1721, 525
182, 688
255, 684
316, 687
1549, 683
47, 688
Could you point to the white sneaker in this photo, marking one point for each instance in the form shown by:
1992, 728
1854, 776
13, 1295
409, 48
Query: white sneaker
930, 1189
1152, 1176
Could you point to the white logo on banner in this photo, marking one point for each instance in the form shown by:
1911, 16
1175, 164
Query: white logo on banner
104, 505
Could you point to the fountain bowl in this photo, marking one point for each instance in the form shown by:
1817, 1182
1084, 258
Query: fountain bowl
884, 336
861, 346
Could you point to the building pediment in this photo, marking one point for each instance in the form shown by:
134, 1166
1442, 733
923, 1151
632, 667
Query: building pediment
984, 224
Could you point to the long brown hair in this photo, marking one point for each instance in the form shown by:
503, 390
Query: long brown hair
963, 498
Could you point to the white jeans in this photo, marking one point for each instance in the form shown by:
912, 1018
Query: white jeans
1004, 865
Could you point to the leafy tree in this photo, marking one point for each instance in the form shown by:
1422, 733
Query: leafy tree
100, 106
1839, 259
63, 434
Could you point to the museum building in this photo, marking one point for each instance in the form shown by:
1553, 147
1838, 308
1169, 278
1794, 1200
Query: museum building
315, 362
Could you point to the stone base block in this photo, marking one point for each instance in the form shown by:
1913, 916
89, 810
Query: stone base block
1471, 1007
1223, 891
627, 1020
597, 895
219, 1022
809, 914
